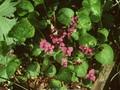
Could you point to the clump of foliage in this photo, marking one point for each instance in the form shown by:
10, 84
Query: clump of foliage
56, 39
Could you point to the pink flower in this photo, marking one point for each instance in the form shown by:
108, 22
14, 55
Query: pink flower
46, 46
64, 62
91, 75
67, 50
86, 50
56, 40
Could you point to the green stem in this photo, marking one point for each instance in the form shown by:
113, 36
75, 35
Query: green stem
45, 8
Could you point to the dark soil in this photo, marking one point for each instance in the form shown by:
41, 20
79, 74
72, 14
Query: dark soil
113, 83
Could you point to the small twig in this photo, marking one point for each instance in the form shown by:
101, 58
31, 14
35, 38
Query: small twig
14, 83
114, 76
45, 8
117, 3
20, 86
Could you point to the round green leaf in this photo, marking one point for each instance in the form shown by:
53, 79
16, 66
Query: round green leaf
43, 24
75, 35
22, 30
36, 51
106, 55
64, 16
24, 7
12, 66
45, 64
55, 83
81, 70
87, 39
96, 10
51, 71
64, 74
33, 70
84, 21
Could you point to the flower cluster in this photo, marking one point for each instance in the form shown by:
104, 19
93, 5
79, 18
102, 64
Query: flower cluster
59, 40
91, 75
46, 46
67, 50
56, 40
86, 50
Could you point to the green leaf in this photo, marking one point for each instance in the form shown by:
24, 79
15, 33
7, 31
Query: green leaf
84, 21
5, 26
71, 67
33, 17
36, 51
4, 48
96, 10
74, 78
64, 87
65, 15
37, 2
87, 39
95, 7
106, 55
8, 66
43, 24
58, 56
81, 70
75, 35
55, 83
51, 71
7, 8
103, 34
45, 64
64, 74
86, 4
24, 7
33, 70
22, 30
12, 66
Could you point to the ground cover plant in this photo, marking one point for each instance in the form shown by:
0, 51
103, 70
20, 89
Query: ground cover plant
53, 44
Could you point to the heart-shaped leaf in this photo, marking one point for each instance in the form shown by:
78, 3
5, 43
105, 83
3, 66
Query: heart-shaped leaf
33, 70
87, 39
95, 7
65, 15
24, 7
75, 35
106, 55
55, 83
45, 64
64, 74
51, 71
84, 22
22, 30
36, 51
81, 70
